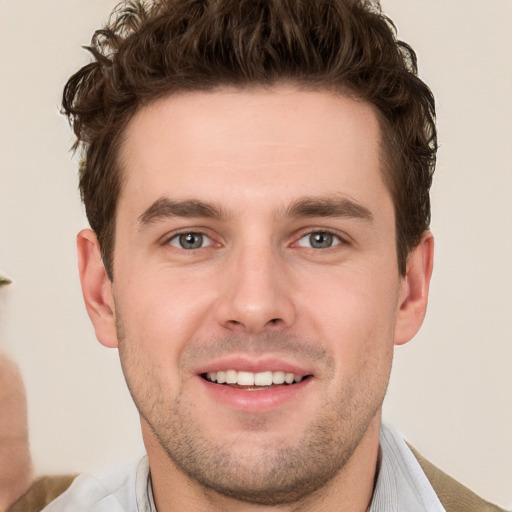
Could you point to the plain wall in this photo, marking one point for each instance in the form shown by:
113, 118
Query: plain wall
451, 390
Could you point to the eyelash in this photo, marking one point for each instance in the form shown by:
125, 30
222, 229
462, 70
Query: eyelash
176, 237
336, 239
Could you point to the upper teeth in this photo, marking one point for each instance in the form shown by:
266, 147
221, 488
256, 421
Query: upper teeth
253, 379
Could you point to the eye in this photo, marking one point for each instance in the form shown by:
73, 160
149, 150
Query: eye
319, 240
190, 241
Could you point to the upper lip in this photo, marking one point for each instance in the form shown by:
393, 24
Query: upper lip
254, 364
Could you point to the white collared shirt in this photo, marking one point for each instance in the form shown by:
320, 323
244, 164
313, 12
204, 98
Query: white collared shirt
401, 485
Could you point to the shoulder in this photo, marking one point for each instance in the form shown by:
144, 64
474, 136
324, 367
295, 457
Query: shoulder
454, 496
42, 491
112, 490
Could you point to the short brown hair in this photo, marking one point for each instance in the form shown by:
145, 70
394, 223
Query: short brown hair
152, 49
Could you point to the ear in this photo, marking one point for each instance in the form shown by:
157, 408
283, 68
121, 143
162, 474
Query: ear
415, 284
96, 288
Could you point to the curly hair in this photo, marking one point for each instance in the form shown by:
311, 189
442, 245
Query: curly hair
150, 49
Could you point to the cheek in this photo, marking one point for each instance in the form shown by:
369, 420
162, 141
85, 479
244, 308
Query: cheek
355, 313
159, 316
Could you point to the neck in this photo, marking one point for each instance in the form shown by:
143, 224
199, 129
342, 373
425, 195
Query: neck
350, 490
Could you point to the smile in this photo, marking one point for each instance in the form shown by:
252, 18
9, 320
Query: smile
252, 380
266, 390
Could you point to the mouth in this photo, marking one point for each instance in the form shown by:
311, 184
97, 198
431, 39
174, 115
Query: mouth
256, 386
250, 381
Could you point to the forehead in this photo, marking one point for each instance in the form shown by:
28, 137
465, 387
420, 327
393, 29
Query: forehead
229, 144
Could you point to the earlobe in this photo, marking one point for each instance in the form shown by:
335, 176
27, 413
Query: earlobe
96, 288
413, 300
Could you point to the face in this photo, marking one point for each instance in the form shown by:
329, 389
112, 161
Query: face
256, 294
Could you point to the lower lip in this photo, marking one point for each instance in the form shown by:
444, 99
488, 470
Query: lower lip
262, 400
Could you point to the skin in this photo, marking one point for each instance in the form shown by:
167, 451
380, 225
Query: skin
15, 462
256, 293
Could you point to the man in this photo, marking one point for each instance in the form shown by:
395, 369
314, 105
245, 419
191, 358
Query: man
256, 176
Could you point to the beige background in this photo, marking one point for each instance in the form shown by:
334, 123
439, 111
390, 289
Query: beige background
451, 392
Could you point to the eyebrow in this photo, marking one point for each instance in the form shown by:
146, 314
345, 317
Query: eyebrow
164, 208
333, 206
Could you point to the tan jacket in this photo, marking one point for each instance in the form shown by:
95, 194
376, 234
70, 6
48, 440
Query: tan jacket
454, 496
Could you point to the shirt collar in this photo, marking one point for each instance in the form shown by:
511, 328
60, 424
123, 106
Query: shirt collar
401, 485
144, 488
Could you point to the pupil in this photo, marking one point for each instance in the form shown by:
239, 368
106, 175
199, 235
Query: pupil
191, 240
321, 240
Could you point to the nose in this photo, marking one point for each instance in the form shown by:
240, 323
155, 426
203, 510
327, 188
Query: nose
256, 295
